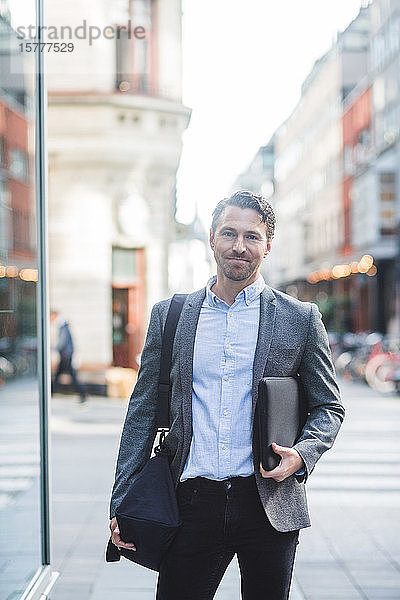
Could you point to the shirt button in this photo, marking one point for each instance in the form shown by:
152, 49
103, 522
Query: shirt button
225, 412
223, 447
226, 378
230, 314
228, 346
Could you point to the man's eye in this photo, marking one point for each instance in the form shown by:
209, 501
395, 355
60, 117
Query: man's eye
252, 237
228, 233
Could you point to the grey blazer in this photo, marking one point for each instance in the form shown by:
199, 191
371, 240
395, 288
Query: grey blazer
291, 339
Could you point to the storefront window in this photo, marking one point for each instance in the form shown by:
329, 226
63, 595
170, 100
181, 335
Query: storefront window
22, 496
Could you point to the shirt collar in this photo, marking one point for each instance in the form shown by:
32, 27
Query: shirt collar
249, 293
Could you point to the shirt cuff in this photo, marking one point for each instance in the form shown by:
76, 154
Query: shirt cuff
300, 475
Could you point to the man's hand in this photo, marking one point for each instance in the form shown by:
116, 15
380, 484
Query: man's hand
115, 537
291, 462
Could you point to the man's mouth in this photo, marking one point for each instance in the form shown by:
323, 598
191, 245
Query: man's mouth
238, 259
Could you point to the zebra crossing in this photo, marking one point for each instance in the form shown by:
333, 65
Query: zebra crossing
363, 467
19, 470
19, 440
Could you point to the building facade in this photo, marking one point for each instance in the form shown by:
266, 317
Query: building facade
384, 167
115, 123
335, 241
358, 203
337, 178
259, 175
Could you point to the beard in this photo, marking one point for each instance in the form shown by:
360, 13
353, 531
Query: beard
237, 271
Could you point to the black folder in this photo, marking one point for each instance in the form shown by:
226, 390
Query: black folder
281, 414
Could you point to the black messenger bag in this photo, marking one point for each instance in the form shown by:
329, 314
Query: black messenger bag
148, 515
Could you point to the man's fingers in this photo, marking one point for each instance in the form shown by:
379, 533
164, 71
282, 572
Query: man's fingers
290, 462
114, 524
120, 544
279, 449
269, 473
126, 546
274, 472
116, 540
279, 473
116, 537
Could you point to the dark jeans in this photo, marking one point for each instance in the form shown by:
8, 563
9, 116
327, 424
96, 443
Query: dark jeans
221, 519
65, 366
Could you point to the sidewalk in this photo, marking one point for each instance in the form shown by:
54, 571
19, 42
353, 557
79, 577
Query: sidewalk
135, 583
352, 550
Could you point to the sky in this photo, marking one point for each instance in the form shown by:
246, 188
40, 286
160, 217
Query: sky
243, 65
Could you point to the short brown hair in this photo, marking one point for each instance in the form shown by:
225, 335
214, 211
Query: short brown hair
247, 199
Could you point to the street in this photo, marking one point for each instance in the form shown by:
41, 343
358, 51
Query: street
352, 550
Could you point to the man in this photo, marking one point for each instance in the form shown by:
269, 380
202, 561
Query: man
230, 335
65, 349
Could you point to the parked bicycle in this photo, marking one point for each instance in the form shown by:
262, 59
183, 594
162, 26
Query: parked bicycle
370, 357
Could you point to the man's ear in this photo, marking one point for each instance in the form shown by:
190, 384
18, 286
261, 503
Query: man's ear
267, 248
211, 239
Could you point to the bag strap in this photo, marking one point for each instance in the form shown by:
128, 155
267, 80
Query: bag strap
164, 382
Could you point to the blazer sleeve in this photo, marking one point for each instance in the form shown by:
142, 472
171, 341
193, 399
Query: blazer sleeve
140, 428
326, 410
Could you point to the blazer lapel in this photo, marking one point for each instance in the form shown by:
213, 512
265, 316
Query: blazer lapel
265, 333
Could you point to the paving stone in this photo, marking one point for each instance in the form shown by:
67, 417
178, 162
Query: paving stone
382, 593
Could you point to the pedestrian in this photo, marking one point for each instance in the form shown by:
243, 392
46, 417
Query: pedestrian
65, 349
232, 333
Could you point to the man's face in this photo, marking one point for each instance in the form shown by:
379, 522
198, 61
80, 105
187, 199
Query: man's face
240, 242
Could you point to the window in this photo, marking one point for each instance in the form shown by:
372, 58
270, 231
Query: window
23, 387
124, 265
387, 203
123, 58
5, 233
18, 164
21, 229
133, 60
386, 44
141, 14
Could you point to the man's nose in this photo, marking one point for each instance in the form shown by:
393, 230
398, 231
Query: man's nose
239, 245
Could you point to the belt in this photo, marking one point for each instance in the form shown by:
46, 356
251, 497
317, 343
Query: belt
238, 484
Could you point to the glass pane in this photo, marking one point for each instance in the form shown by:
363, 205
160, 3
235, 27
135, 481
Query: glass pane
20, 508
124, 265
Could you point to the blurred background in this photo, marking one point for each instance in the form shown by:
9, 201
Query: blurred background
115, 145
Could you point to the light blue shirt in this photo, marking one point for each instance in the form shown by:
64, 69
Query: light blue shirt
225, 344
